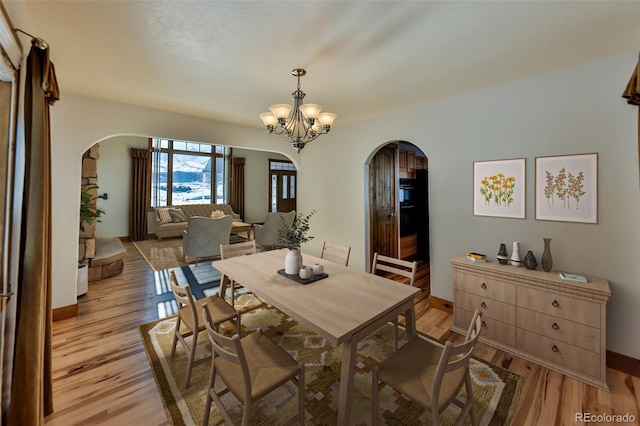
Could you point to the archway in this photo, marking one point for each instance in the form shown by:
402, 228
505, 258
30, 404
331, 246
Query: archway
397, 205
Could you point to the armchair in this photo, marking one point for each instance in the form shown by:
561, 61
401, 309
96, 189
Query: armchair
203, 236
266, 235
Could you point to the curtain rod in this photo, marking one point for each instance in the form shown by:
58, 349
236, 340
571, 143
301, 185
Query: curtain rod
36, 41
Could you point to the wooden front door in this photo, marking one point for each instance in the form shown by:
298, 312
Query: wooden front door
382, 203
283, 186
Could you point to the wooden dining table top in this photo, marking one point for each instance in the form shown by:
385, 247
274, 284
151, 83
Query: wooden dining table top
336, 307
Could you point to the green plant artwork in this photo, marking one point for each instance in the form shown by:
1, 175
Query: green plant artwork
498, 189
565, 186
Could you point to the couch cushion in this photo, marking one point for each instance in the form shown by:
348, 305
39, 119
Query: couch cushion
164, 215
177, 215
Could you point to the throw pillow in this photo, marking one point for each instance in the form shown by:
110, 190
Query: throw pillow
164, 215
217, 214
177, 215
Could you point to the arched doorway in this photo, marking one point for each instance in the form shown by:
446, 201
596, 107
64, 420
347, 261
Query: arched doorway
398, 205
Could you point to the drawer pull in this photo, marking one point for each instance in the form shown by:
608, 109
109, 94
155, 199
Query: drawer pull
483, 305
555, 348
484, 286
484, 324
555, 326
555, 304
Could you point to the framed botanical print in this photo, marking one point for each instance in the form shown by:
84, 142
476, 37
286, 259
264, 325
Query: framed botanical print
499, 188
567, 188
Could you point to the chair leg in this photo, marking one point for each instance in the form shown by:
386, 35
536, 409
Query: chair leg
233, 293
246, 412
472, 411
301, 394
192, 355
175, 337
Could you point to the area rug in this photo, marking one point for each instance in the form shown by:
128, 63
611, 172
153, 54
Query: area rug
162, 254
496, 389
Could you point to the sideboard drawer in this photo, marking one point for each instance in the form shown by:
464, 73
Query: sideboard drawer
490, 308
555, 328
558, 305
494, 289
491, 328
562, 354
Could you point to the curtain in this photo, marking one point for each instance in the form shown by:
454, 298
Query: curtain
237, 187
632, 94
140, 162
31, 391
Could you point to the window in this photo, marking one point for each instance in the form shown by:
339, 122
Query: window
185, 172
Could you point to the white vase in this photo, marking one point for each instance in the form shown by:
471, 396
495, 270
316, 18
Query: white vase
293, 262
515, 254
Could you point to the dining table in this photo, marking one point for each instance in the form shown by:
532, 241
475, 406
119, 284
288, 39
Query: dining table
344, 307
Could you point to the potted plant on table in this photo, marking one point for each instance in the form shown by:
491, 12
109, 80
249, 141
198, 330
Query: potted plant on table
292, 237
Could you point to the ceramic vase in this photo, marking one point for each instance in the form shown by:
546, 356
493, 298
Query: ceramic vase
503, 256
547, 260
515, 254
530, 261
293, 262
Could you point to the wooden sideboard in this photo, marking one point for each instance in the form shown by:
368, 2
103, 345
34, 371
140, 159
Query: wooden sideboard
557, 323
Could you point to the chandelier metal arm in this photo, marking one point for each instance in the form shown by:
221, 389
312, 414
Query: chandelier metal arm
295, 128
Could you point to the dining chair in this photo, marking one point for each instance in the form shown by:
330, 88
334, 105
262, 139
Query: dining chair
266, 234
232, 250
430, 375
203, 236
250, 368
190, 319
335, 253
397, 270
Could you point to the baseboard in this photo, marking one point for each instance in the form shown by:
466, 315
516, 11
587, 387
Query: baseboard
623, 363
442, 304
66, 312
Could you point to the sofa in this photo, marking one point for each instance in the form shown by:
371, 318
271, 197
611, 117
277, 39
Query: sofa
171, 221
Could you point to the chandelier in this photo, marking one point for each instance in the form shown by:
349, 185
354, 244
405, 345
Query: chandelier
298, 124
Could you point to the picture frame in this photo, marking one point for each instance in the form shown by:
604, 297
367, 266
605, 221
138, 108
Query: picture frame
499, 188
567, 188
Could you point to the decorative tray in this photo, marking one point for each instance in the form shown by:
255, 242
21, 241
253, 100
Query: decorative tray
296, 277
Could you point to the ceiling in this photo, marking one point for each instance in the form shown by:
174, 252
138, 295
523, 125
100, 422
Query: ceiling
230, 60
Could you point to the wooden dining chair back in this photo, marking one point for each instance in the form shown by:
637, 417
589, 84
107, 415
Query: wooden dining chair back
189, 321
335, 253
398, 270
395, 269
431, 375
249, 368
228, 251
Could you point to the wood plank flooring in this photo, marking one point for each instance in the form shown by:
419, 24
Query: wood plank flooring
101, 374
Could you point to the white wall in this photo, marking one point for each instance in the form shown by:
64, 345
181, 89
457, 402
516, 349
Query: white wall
114, 179
574, 110
256, 182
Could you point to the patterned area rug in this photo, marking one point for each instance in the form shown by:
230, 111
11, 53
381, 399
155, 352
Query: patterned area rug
496, 389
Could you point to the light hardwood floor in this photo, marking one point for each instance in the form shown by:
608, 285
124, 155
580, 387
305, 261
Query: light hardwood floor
101, 374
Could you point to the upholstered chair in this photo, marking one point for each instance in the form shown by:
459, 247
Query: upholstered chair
266, 235
430, 375
203, 236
